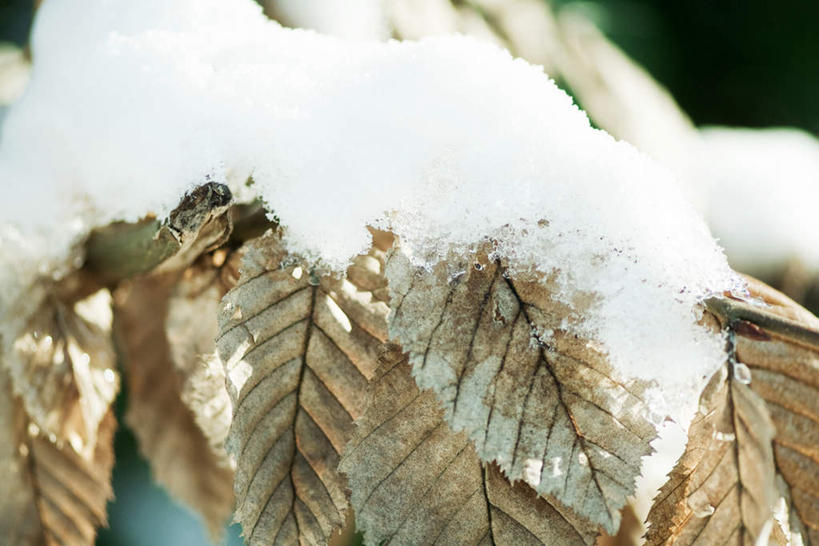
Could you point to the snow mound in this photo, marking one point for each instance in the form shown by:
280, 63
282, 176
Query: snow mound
446, 141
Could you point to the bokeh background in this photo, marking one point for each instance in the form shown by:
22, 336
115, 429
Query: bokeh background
746, 63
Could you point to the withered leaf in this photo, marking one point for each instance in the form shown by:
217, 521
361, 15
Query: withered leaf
784, 366
62, 365
51, 494
548, 414
788, 528
298, 352
179, 454
414, 481
723, 489
191, 328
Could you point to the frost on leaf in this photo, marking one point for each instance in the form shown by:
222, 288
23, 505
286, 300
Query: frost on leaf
62, 364
780, 346
180, 455
415, 481
191, 328
547, 410
723, 489
298, 351
51, 494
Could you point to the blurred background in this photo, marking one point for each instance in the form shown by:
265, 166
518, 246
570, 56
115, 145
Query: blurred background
749, 63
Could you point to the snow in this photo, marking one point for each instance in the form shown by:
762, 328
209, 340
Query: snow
446, 141
759, 190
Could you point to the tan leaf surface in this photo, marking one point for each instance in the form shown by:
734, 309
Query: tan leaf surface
549, 414
298, 352
51, 494
62, 365
180, 456
788, 528
191, 328
784, 367
414, 481
723, 489
19, 521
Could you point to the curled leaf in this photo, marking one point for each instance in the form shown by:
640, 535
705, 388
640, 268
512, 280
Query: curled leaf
298, 351
783, 362
723, 488
548, 412
191, 328
180, 455
62, 365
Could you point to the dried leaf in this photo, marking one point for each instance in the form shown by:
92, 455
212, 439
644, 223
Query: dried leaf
179, 454
19, 520
549, 414
191, 329
784, 367
298, 352
52, 495
788, 529
723, 488
414, 481
62, 366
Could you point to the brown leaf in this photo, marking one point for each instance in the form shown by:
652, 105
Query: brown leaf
788, 528
62, 365
723, 488
191, 328
414, 481
51, 494
298, 352
784, 367
548, 412
179, 454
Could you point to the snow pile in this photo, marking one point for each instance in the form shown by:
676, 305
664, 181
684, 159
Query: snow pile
760, 190
446, 141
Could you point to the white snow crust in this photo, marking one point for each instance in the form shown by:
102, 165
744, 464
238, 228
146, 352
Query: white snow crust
446, 141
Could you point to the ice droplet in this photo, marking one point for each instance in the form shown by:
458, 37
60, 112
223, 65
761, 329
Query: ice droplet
297, 273
742, 373
583, 459
704, 512
33, 429
23, 450
700, 507
109, 375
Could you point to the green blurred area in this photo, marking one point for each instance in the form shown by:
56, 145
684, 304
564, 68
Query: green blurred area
750, 63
